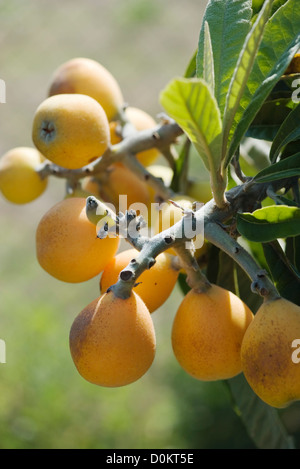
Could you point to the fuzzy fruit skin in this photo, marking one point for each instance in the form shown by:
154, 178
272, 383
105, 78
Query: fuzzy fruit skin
294, 66
19, 182
120, 181
71, 130
66, 243
207, 333
86, 76
159, 171
141, 120
154, 285
112, 341
163, 172
267, 353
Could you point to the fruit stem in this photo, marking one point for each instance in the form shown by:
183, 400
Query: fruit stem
161, 191
262, 285
128, 277
195, 277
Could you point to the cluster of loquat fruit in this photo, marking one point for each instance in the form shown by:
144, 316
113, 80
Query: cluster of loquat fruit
215, 336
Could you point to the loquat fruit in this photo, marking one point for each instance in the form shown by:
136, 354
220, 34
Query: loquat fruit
112, 341
67, 246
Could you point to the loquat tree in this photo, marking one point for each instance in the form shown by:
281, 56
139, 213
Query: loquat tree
232, 241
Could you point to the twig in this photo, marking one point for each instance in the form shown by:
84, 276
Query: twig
261, 283
210, 216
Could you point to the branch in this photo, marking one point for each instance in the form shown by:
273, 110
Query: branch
261, 283
241, 198
160, 137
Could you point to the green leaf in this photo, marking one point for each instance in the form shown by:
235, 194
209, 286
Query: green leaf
293, 251
290, 150
289, 167
261, 421
257, 5
182, 283
284, 275
241, 76
180, 173
208, 60
191, 104
270, 117
280, 43
232, 277
257, 252
276, 5
191, 68
229, 24
288, 132
227, 273
212, 269
256, 152
282, 200
269, 223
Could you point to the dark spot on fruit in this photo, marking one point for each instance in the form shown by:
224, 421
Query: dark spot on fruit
93, 159
48, 131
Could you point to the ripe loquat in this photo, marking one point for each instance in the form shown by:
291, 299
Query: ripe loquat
267, 353
207, 333
86, 76
67, 245
112, 341
71, 130
141, 120
19, 181
122, 188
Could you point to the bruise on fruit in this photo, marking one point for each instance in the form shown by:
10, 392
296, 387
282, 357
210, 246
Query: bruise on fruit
61, 86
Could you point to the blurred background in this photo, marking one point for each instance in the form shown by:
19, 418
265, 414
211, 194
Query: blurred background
44, 403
